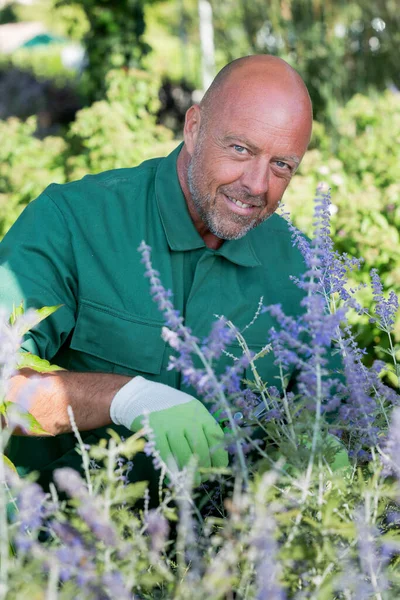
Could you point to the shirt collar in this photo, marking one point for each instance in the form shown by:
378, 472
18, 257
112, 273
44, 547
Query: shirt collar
178, 226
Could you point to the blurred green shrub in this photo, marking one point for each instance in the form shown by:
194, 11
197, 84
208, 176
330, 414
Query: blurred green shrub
113, 39
364, 179
27, 166
120, 131
45, 62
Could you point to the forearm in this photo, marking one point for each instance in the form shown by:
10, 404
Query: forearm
89, 395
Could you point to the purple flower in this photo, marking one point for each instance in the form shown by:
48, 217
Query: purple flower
158, 530
326, 269
32, 512
385, 309
93, 517
360, 409
68, 480
391, 458
116, 587
372, 560
220, 336
186, 346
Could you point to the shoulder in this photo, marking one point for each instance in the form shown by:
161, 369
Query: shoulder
117, 185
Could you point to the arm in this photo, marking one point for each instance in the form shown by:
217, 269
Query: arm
181, 425
89, 394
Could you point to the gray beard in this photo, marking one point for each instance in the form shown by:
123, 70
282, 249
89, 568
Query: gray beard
212, 217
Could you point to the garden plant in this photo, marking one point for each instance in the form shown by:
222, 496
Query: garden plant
309, 505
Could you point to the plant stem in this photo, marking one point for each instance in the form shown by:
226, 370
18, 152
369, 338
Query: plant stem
312, 455
4, 537
84, 452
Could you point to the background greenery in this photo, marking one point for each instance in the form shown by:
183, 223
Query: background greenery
324, 534
113, 112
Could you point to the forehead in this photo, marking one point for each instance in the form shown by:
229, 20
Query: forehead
268, 132
263, 114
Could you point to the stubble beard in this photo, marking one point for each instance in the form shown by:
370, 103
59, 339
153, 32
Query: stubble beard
215, 218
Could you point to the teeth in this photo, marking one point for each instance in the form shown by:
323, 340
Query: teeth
238, 203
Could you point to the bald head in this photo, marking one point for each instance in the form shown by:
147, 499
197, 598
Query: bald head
243, 144
267, 73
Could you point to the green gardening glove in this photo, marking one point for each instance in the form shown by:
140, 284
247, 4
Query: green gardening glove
182, 426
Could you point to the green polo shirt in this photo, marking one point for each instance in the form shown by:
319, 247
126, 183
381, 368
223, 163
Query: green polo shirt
76, 245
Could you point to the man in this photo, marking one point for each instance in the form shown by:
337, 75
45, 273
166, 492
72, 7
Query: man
204, 212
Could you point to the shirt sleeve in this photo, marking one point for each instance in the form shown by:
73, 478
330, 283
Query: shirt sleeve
37, 267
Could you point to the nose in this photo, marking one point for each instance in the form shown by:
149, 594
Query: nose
255, 177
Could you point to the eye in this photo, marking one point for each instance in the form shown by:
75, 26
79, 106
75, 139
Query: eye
282, 165
239, 149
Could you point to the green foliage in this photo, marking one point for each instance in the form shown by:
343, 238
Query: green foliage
340, 48
8, 14
45, 62
363, 175
29, 421
120, 131
296, 516
27, 165
114, 38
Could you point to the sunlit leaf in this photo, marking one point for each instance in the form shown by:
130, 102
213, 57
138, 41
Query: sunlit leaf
17, 312
40, 315
34, 427
30, 423
8, 463
130, 493
26, 360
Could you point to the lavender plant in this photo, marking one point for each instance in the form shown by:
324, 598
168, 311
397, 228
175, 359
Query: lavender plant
292, 517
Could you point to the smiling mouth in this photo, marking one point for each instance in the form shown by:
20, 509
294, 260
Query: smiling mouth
240, 204
241, 208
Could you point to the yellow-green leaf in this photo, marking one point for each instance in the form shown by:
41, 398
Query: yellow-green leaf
27, 360
130, 493
17, 312
3, 407
40, 315
32, 426
8, 463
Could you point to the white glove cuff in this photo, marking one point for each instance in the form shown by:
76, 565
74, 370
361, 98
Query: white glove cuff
140, 395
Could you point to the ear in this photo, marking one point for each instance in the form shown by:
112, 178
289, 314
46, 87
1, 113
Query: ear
192, 127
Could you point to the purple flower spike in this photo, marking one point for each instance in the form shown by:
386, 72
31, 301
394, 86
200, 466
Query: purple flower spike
385, 309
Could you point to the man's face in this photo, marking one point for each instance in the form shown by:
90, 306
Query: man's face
241, 164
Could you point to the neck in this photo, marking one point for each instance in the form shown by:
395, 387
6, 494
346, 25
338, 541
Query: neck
210, 240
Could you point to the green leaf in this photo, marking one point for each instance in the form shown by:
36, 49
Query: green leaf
384, 350
16, 313
4, 406
130, 493
32, 426
40, 315
27, 360
8, 463
132, 446
262, 353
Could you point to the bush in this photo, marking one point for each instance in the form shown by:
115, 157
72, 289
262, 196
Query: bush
27, 165
363, 176
290, 518
118, 132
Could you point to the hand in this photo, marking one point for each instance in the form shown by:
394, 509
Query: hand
181, 425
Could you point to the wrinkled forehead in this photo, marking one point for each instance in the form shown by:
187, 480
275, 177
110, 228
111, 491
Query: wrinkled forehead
262, 116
